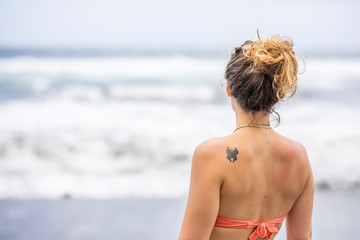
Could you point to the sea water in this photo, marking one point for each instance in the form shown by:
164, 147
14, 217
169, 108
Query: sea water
110, 126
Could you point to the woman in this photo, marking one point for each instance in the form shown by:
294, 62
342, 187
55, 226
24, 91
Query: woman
245, 184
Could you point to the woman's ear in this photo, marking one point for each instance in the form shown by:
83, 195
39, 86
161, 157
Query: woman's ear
227, 89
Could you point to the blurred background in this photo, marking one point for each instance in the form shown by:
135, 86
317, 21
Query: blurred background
102, 104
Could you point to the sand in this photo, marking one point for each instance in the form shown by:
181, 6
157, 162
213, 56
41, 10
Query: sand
148, 219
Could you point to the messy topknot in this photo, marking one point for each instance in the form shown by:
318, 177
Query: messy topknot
262, 72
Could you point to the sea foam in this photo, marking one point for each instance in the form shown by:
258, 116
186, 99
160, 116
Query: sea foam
127, 127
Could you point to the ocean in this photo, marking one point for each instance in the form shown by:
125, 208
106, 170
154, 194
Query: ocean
125, 125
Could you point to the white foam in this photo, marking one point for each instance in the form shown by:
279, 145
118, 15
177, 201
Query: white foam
165, 92
137, 138
112, 149
329, 73
139, 67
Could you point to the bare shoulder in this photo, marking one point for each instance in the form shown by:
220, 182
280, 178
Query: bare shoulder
299, 148
206, 162
209, 150
295, 152
298, 154
210, 147
302, 156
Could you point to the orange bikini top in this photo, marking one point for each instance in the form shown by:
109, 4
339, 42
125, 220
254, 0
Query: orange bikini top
263, 229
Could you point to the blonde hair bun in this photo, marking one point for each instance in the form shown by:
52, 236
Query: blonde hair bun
276, 58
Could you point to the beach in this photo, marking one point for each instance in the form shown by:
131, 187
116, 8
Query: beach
335, 215
103, 103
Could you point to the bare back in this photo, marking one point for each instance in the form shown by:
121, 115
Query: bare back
254, 174
263, 183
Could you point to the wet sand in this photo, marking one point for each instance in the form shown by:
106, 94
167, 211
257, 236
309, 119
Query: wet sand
148, 219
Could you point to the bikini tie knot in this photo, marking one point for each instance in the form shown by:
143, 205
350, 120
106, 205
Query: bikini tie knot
263, 230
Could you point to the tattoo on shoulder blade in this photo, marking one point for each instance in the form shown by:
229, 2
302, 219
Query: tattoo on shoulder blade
231, 154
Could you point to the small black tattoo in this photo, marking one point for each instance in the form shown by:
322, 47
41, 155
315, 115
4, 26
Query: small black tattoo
231, 154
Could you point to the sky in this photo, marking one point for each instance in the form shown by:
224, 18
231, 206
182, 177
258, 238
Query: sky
318, 26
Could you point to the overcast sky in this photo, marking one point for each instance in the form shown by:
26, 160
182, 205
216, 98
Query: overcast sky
313, 25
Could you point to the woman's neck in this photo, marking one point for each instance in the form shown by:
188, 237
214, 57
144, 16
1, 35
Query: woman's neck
244, 118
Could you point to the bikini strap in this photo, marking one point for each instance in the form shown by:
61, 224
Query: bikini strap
263, 229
